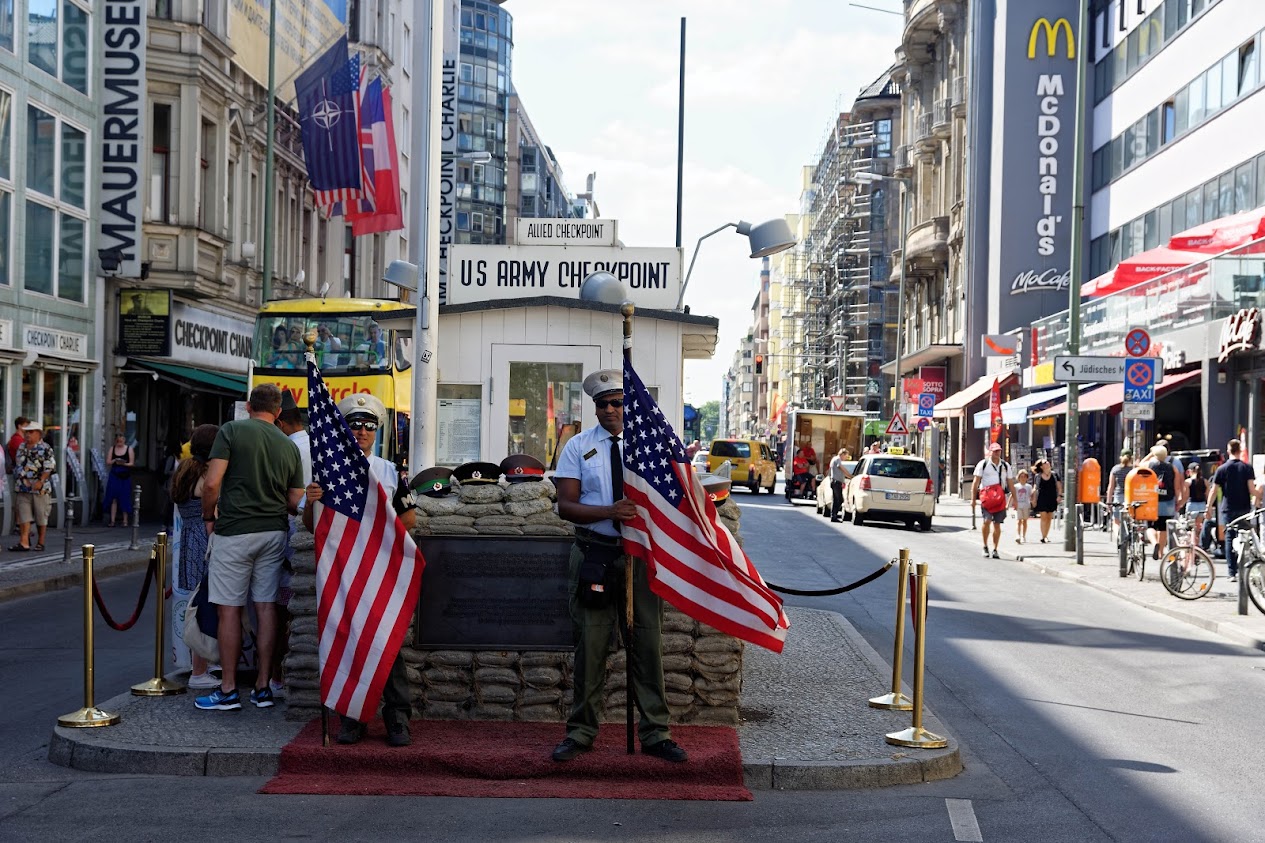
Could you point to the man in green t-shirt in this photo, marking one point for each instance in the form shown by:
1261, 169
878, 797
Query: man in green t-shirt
254, 479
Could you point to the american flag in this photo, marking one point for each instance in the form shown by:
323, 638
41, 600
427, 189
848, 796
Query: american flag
692, 559
368, 570
328, 96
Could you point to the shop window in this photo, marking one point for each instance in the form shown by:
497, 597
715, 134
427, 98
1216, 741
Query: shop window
546, 403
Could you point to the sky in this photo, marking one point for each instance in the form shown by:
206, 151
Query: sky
764, 80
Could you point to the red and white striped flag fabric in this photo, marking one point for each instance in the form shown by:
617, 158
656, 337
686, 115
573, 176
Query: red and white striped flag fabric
368, 569
692, 560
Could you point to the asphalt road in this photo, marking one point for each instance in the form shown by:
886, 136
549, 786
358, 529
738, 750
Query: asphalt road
1081, 718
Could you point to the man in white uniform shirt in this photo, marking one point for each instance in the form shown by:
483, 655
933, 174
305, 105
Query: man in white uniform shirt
589, 479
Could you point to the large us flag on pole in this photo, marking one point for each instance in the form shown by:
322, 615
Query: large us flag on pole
368, 570
692, 559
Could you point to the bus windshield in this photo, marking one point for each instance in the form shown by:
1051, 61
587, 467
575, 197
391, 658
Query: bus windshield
344, 342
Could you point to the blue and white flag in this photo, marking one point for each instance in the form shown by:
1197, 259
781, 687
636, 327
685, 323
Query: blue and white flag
329, 102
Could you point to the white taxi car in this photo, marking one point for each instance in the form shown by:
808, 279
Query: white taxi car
894, 486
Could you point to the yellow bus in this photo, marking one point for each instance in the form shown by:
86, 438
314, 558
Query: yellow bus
357, 350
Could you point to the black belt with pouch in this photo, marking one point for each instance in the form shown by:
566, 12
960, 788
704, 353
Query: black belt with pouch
597, 575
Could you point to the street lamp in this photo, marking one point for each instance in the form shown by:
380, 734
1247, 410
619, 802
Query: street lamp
871, 178
767, 238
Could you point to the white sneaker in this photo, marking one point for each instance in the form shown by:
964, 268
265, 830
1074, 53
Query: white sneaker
202, 681
278, 689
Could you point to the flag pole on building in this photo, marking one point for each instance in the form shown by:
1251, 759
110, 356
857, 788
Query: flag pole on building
627, 310
270, 166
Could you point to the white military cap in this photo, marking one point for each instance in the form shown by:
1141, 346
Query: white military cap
363, 404
604, 381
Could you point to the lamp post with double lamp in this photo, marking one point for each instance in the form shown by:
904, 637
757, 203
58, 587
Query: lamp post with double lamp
906, 185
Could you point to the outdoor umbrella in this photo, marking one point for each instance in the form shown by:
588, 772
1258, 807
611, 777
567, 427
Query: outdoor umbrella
1220, 235
1141, 267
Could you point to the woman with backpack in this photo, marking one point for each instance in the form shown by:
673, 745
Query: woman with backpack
186, 494
1048, 493
1171, 488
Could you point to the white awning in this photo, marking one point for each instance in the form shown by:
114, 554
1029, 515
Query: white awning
1016, 411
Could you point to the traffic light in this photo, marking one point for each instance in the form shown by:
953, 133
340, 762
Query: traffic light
759, 364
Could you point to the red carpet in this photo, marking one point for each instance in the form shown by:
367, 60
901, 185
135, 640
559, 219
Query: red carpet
487, 759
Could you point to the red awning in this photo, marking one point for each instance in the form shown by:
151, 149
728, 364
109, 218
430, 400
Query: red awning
1109, 397
1219, 235
1141, 267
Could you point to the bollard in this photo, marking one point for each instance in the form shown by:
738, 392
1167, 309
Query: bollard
136, 518
896, 700
916, 736
1080, 534
70, 519
89, 715
159, 686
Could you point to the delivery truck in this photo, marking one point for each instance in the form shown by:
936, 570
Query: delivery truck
826, 432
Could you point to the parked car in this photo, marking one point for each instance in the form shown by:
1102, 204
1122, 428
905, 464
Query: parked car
700, 461
826, 495
892, 486
752, 462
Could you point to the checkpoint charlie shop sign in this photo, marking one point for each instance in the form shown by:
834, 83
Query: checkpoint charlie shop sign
1034, 90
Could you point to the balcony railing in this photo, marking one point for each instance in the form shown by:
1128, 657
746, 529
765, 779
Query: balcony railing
903, 159
958, 95
924, 132
940, 118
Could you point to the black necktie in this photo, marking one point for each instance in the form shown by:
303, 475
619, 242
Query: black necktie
617, 470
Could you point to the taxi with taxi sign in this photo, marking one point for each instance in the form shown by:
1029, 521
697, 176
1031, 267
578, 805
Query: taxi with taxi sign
893, 486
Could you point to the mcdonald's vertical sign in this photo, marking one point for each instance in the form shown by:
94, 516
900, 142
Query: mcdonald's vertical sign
1033, 120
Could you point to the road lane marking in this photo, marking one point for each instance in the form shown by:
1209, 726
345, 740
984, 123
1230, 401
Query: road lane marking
962, 817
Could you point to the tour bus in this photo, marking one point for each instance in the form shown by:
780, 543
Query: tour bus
357, 350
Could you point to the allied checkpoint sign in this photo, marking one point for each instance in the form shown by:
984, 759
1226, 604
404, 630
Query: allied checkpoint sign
651, 275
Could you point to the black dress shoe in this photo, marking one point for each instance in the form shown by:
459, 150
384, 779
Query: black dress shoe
398, 735
667, 750
351, 732
569, 749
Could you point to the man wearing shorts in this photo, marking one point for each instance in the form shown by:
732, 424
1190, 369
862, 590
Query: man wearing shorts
33, 468
993, 471
255, 478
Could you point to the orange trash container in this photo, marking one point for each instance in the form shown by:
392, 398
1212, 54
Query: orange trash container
1087, 488
1142, 486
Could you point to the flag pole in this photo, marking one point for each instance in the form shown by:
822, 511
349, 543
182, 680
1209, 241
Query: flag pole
270, 166
627, 310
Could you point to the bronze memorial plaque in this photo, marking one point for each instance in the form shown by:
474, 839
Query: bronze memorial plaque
494, 593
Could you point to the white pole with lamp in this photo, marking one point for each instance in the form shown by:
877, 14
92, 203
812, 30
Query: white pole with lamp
767, 238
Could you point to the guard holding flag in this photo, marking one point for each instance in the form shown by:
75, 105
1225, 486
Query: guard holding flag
590, 487
365, 414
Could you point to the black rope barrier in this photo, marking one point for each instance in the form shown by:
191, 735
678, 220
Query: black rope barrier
828, 592
150, 573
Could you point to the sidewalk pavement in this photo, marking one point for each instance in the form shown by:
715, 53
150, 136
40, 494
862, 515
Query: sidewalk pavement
1217, 612
822, 737
24, 573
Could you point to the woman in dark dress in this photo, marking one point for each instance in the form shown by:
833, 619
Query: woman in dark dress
118, 488
1049, 491
186, 494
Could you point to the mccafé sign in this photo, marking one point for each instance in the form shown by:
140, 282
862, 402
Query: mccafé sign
1239, 333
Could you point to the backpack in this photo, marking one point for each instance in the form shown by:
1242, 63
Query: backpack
1164, 473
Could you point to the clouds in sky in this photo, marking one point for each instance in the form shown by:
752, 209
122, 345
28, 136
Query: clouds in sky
764, 80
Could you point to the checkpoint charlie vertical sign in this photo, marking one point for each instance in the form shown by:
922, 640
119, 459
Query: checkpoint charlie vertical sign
1034, 117
121, 129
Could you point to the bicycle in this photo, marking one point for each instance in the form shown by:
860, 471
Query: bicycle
1186, 569
1251, 556
1131, 543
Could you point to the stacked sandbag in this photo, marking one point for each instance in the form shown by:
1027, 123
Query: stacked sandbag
730, 515
493, 509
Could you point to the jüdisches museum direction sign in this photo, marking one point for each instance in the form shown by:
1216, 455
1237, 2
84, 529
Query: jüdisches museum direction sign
651, 275
1034, 114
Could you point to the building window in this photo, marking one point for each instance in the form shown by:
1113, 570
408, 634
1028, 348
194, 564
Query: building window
55, 158
6, 136
6, 25
1247, 67
58, 41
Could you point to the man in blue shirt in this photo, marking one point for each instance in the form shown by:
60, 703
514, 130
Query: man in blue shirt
1238, 493
590, 495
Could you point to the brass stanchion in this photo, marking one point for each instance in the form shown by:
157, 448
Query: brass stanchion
916, 736
896, 700
89, 715
159, 686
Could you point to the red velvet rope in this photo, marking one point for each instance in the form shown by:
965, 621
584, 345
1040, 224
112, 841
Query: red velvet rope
150, 574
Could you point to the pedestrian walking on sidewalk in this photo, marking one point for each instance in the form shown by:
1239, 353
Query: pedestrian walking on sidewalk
255, 479
1196, 497
993, 486
1023, 506
33, 486
186, 493
1234, 480
1171, 489
1115, 486
1048, 494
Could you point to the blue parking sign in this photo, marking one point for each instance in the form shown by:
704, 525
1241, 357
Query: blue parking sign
1139, 380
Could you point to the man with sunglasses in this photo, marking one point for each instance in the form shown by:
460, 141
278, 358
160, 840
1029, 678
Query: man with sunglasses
590, 483
365, 414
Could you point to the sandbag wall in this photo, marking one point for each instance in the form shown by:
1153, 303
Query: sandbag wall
702, 667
